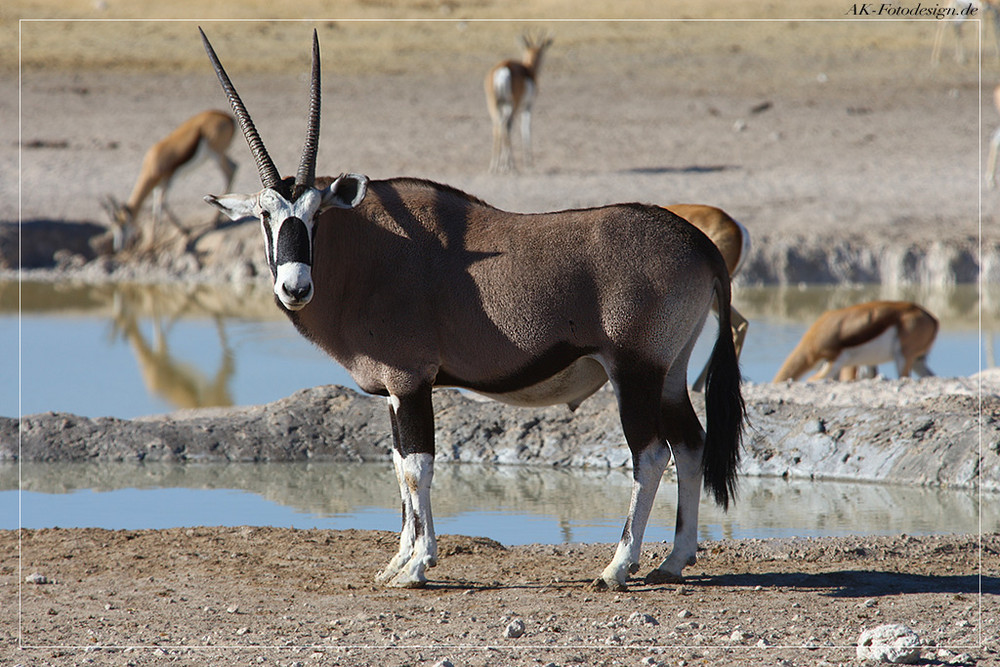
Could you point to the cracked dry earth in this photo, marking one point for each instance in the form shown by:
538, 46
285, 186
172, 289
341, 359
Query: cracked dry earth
306, 597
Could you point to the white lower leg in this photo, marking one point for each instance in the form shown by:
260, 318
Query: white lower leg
418, 545
406, 532
685, 549
646, 480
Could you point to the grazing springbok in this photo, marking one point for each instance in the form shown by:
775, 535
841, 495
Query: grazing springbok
206, 135
733, 241
511, 86
991, 160
865, 335
412, 285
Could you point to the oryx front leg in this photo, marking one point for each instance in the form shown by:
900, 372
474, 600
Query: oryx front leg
413, 458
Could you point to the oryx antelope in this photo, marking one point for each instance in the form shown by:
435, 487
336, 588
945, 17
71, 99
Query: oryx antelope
511, 86
864, 335
733, 241
412, 285
204, 136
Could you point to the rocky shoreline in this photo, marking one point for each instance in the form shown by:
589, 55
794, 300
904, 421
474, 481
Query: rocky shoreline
932, 432
49, 250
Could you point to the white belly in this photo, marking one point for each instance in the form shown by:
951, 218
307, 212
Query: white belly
571, 386
878, 350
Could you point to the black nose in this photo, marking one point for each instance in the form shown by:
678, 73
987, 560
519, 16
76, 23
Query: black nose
299, 293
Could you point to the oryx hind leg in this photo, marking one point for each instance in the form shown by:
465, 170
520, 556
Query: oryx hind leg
680, 427
638, 395
413, 458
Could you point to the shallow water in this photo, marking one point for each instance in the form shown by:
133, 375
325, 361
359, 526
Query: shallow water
511, 504
127, 351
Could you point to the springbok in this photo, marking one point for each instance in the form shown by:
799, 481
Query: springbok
960, 11
205, 135
991, 160
510, 87
733, 241
865, 335
412, 285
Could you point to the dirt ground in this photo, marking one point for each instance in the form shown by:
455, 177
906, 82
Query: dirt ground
822, 128
285, 597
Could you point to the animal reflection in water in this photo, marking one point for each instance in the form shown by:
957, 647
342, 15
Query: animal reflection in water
180, 383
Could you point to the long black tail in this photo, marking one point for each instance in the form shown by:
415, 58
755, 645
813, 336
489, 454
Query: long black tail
725, 412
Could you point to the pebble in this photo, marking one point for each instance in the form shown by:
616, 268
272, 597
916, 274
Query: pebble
638, 618
36, 578
684, 613
739, 636
893, 643
514, 629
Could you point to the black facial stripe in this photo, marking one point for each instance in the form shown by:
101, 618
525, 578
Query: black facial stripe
270, 248
293, 242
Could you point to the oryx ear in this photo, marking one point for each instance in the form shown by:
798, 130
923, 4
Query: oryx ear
346, 191
236, 207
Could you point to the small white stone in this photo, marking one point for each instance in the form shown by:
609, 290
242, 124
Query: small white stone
514, 629
638, 618
894, 643
739, 636
36, 578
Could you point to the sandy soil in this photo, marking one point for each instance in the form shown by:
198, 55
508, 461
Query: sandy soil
286, 597
803, 130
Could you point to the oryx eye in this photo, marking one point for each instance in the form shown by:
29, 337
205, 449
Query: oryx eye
265, 215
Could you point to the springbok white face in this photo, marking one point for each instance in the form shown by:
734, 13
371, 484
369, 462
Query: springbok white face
287, 210
288, 228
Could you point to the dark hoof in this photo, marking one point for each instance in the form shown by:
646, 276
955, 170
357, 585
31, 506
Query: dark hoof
601, 585
663, 577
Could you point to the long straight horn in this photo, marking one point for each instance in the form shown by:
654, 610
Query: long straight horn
269, 175
306, 176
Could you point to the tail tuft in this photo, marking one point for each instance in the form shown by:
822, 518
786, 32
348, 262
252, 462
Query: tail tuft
725, 411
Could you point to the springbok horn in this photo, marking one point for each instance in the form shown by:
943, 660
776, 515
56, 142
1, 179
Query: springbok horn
269, 176
306, 176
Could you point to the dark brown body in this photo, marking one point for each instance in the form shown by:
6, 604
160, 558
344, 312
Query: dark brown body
386, 281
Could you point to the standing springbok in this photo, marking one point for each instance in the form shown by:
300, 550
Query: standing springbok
412, 285
991, 160
510, 87
733, 241
959, 12
206, 135
865, 334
